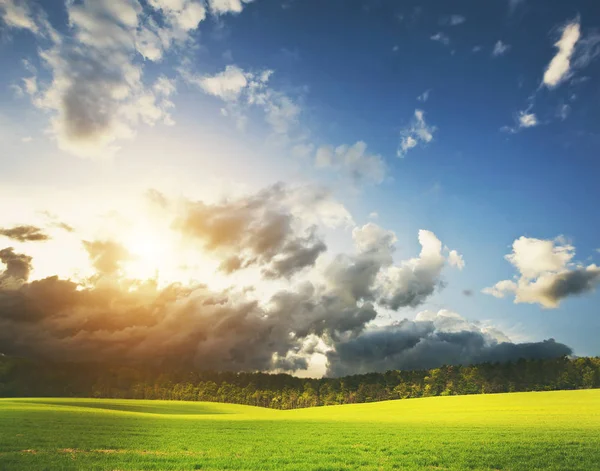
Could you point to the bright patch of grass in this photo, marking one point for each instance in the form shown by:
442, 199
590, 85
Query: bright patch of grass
545, 430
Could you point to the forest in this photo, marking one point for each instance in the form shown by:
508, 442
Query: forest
20, 377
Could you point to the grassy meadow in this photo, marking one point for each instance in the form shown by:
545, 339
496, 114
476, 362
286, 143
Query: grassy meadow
541, 430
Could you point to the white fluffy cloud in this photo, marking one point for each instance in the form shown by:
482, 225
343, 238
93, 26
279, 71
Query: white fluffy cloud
220, 7
241, 90
527, 120
227, 85
559, 67
353, 161
97, 95
547, 273
17, 14
417, 132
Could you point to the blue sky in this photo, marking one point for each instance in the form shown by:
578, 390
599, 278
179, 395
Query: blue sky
476, 121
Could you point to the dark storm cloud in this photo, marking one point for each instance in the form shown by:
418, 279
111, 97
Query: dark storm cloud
25, 233
425, 344
256, 230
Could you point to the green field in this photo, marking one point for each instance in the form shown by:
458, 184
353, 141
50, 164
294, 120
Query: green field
520, 431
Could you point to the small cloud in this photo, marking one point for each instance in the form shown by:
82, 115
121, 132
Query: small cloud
221, 7
395, 48
441, 37
563, 111
467, 292
559, 68
417, 132
527, 120
24, 233
353, 161
26, 139
456, 20
375, 215
424, 96
476, 48
523, 119
500, 49
455, 259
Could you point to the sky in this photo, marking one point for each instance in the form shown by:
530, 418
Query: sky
299, 186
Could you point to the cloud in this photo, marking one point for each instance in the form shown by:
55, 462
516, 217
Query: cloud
24, 233
467, 292
527, 120
563, 111
97, 95
371, 274
18, 268
456, 260
441, 38
433, 339
500, 49
221, 7
111, 318
588, 49
417, 132
424, 96
16, 14
106, 256
227, 85
412, 281
353, 161
267, 229
547, 274
242, 90
523, 120
559, 67
457, 20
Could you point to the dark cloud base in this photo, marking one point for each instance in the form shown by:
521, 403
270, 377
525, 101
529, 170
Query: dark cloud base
138, 323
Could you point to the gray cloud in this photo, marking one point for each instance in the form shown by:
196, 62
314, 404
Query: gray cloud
432, 340
137, 322
256, 230
18, 268
574, 282
25, 233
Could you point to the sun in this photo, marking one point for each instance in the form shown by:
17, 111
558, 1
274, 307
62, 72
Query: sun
153, 254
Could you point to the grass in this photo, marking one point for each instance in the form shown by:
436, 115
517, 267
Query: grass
545, 430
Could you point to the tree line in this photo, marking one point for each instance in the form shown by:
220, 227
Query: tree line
21, 377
